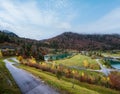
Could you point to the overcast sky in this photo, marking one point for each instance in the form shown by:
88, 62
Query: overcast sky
42, 19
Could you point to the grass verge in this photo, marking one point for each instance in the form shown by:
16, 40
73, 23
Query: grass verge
7, 83
65, 84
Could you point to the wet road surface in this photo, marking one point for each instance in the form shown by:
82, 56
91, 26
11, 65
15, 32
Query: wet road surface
27, 83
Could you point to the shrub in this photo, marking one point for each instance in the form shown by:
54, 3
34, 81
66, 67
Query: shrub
115, 80
20, 58
1, 54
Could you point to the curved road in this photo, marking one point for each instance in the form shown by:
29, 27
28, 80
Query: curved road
27, 83
105, 70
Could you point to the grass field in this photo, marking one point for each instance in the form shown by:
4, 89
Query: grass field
7, 83
78, 60
65, 84
111, 54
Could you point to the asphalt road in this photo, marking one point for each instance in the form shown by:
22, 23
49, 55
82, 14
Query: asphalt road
27, 83
103, 69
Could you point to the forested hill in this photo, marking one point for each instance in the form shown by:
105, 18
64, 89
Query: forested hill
23, 46
69, 40
7, 36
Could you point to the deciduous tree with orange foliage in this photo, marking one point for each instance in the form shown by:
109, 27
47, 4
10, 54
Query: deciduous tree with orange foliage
115, 80
1, 54
20, 58
85, 63
32, 60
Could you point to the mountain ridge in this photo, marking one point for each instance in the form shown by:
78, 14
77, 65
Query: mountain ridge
10, 33
71, 40
88, 41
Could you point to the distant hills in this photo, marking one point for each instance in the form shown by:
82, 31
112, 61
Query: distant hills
7, 36
67, 40
23, 46
10, 33
70, 40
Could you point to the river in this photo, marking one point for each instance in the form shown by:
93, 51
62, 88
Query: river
115, 64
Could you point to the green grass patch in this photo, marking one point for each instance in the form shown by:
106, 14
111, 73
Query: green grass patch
111, 54
11, 60
105, 63
78, 60
7, 83
65, 84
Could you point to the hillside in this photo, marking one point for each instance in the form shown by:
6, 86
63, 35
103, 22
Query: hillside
23, 46
69, 40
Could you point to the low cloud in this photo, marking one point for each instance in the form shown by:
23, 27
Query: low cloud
39, 19
29, 17
109, 23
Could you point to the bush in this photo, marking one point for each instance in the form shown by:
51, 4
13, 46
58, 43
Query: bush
82, 76
20, 58
1, 54
115, 80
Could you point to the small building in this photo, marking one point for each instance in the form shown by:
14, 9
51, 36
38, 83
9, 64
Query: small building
7, 50
84, 52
